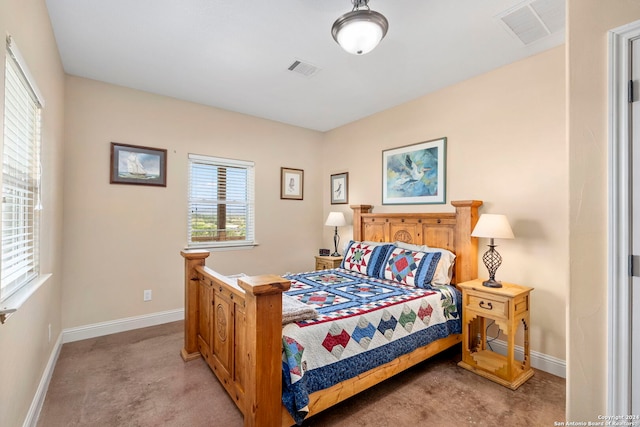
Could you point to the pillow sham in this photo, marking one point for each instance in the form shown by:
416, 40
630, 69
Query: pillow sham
365, 258
444, 269
413, 268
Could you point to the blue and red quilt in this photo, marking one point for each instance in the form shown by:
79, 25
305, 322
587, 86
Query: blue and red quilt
363, 323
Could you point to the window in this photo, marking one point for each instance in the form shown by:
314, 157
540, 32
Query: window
221, 202
19, 263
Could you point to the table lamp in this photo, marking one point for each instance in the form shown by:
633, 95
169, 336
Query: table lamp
336, 219
492, 226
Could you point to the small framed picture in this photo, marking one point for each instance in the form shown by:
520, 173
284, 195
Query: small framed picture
133, 164
415, 174
291, 183
340, 188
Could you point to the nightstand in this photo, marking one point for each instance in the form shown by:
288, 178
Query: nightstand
508, 306
327, 262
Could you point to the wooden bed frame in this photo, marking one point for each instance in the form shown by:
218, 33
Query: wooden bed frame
237, 328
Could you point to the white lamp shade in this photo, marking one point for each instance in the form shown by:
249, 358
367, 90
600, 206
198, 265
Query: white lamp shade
493, 226
359, 37
336, 219
359, 32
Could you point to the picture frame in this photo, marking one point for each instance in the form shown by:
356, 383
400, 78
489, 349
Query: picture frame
291, 183
415, 174
340, 188
138, 165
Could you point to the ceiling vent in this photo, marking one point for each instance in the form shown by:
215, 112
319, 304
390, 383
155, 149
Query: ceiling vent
534, 20
304, 68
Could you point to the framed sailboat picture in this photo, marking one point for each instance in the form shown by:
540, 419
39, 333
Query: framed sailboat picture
133, 164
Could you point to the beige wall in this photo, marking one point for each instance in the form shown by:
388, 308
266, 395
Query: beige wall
122, 239
24, 338
588, 24
506, 146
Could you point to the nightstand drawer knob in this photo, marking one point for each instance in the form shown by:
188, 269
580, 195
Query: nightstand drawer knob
487, 306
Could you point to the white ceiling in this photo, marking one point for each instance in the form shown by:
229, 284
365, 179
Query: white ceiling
235, 54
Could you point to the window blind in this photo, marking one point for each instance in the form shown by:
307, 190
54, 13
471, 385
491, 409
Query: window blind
221, 202
19, 262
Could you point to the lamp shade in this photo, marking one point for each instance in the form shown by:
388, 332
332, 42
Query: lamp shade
359, 32
493, 226
336, 219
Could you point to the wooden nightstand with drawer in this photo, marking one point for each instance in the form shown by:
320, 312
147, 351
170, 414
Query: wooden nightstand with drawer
327, 262
508, 306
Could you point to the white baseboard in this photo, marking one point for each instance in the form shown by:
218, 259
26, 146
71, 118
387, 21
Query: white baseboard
92, 331
540, 361
38, 399
121, 325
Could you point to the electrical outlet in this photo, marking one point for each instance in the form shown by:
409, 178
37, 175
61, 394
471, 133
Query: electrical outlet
147, 295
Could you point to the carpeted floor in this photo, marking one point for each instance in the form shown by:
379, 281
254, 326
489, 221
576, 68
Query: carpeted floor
138, 378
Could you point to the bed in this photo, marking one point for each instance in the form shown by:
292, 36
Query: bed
236, 325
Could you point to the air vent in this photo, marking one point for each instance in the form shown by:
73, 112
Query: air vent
534, 20
303, 68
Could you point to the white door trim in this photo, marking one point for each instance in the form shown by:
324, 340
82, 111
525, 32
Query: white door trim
619, 281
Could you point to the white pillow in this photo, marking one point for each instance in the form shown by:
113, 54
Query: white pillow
410, 247
372, 243
444, 270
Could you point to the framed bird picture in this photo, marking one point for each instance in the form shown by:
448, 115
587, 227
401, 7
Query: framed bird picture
340, 188
415, 174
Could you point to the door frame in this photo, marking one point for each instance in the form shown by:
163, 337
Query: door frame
619, 222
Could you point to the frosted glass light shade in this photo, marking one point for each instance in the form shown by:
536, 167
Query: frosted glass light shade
360, 31
336, 219
493, 226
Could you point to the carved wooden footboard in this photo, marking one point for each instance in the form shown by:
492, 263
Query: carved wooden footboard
237, 327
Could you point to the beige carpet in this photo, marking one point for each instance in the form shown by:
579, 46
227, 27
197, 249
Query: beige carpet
137, 378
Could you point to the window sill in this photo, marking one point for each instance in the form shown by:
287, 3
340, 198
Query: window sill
15, 301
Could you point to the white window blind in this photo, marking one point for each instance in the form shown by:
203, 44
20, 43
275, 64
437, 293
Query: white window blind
19, 263
221, 202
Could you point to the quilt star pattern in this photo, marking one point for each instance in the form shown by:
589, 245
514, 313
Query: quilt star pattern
358, 256
363, 322
340, 293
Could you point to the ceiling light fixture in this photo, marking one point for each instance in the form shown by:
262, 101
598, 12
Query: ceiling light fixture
359, 31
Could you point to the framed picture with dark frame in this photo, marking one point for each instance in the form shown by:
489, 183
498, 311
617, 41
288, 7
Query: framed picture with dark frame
134, 164
415, 174
291, 183
340, 188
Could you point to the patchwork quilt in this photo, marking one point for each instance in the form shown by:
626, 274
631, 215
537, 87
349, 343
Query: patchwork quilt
363, 323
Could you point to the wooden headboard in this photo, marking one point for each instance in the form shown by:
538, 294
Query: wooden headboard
448, 230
